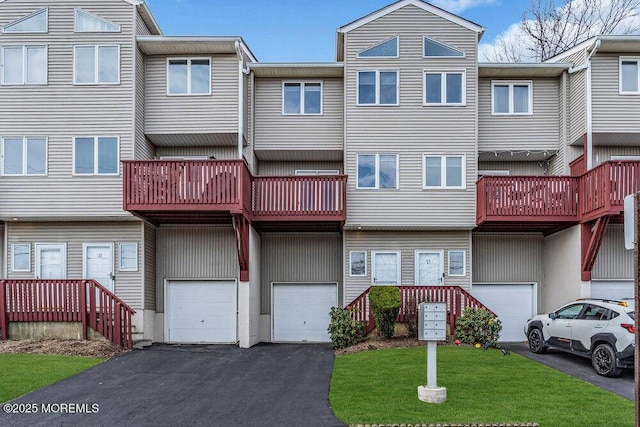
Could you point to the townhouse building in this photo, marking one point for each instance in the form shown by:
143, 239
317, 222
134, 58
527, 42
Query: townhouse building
229, 200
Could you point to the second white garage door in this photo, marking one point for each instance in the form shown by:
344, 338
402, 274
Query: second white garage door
201, 311
612, 289
301, 311
514, 305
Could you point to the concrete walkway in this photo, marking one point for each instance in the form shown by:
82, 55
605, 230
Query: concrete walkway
198, 385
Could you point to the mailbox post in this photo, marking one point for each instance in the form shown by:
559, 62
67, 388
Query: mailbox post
432, 327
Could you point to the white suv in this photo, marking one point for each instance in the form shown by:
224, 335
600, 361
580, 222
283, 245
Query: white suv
603, 330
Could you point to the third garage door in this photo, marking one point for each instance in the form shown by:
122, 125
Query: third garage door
514, 305
301, 311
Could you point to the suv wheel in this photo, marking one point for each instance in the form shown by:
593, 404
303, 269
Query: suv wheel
603, 360
536, 341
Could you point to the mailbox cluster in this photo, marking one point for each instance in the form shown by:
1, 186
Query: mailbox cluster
432, 321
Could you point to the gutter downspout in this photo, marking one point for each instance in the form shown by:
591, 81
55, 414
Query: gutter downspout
589, 106
241, 71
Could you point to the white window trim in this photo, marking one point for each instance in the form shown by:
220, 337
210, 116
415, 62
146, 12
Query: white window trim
24, 156
96, 48
397, 37
443, 172
314, 172
25, 70
46, 30
464, 263
189, 59
398, 266
302, 84
63, 255
443, 88
13, 260
75, 17
120, 245
628, 58
377, 98
512, 83
351, 261
416, 273
377, 171
463, 54
95, 156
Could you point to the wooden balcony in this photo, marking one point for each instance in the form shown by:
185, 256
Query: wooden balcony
187, 191
603, 188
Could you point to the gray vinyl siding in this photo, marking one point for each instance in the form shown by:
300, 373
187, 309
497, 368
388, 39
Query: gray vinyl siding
602, 154
612, 112
508, 258
407, 243
61, 110
215, 113
614, 261
141, 27
559, 164
411, 129
515, 168
290, 168
537, 132
276, 131
144, 149
128, 284
577, 99
299, 258
194, 253
217, 152
149, 266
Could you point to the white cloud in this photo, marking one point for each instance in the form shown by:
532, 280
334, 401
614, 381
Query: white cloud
457, 6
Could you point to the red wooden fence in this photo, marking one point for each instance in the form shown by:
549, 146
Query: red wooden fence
604, 187
84, 301
456, 298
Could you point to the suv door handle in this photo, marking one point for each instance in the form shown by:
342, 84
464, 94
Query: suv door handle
598, 326
568, 325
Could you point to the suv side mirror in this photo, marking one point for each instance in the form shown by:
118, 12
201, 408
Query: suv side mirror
552, 316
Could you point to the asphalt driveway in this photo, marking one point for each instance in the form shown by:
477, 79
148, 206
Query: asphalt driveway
579, 367
167, 385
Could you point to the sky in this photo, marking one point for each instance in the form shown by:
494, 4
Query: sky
305, 30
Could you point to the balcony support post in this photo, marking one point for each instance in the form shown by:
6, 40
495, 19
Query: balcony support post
591, 242
241, 228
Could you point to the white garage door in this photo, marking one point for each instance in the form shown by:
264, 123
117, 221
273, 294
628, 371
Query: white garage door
301, 311
199, 311
513, 304
612, 289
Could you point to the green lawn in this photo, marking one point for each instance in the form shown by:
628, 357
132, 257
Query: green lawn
380, 387
23, 373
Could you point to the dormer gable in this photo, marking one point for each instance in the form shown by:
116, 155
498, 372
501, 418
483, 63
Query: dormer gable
33, 23
87, 22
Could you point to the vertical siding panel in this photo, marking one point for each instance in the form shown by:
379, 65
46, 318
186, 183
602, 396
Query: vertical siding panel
289, 168
515, 168
149, 256
614, 261
508, 258
220, 153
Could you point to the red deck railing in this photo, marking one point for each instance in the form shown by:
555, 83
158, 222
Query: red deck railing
604, 188
308, 198
84, 301
186, 185
456, 298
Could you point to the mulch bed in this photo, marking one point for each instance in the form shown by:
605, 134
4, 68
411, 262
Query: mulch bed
100, 349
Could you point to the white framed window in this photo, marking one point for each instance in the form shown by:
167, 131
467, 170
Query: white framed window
386, 49
85, 22
429, 267
96, 64
96, 155
511, 98
378, 87
385, 268
444, 171
435, 49
21, 257
378, 170
444, 88
24, 65
301, 98
34, 23
128, 256
457, 263
357, 263
188, 76
24, 156
629, 75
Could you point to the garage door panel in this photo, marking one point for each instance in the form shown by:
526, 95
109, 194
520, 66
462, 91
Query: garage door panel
301, 312
513, 304
612, 289
201, 311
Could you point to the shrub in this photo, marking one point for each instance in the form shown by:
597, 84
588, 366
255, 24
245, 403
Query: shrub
343, 329
385, 303
478, 325
410, 312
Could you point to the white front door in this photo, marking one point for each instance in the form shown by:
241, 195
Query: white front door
386, 268
51, 261
429, 268
98, 263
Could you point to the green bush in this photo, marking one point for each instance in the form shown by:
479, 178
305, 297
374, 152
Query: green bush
478, 326
385, 303
343, 329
